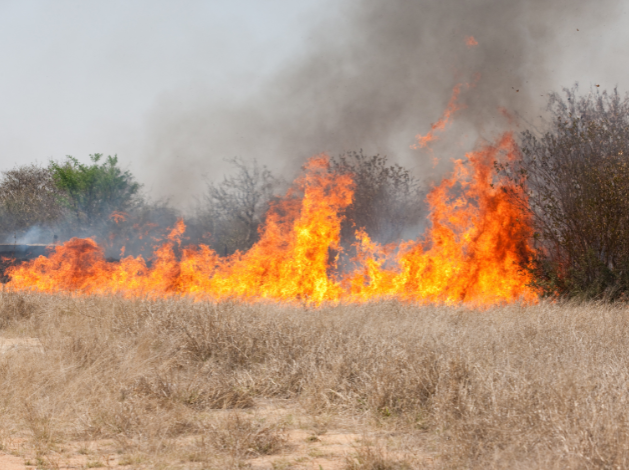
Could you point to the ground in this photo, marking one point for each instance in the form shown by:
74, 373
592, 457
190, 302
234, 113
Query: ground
176, 384
318, 443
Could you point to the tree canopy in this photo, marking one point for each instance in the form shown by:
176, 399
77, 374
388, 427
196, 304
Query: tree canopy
91, 192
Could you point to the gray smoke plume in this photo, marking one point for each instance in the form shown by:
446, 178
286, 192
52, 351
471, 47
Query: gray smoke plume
374, 75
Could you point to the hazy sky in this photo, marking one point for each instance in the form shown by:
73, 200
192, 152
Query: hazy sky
174, 87
81, 76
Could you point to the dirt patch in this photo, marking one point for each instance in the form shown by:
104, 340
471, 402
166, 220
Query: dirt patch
308, 442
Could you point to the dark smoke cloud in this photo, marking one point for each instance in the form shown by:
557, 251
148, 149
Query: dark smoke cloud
371, 77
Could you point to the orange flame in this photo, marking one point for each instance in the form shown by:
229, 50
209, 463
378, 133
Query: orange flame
118, 217
452, 107
444, 120
470, 41
473, 252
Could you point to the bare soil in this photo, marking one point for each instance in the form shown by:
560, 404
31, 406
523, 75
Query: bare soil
321, 442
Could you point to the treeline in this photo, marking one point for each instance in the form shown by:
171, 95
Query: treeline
48, 204
574, 171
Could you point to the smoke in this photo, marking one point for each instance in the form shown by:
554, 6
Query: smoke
372, 76
35, 234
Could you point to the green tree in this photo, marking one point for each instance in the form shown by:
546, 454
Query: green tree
91, 192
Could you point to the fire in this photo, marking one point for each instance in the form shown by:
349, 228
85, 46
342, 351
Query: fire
470, 41
453, 106
444, 120
118, 217
476, 249
473, 252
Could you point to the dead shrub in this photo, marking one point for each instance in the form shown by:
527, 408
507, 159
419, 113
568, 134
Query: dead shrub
16, 307
241, 436
576, 176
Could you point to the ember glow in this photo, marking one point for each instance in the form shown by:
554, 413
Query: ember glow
473, 251
470, 41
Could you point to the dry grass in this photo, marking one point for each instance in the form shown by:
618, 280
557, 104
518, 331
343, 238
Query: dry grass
522, 387
374, 457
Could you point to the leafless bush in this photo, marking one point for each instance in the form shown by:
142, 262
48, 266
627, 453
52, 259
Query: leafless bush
387, 199
387, 203
231, 211
139, 231
577, 174
28, 197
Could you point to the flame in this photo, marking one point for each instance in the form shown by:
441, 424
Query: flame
470, 41
452, 107
118, 217
473, 252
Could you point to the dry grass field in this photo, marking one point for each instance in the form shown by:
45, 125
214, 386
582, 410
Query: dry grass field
105, 382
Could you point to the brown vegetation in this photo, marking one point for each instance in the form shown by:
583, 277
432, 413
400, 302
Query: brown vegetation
176, 384
577, 177
28, 197
388, 200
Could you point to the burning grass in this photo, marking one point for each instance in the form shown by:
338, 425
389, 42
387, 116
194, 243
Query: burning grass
476, 250
200, 385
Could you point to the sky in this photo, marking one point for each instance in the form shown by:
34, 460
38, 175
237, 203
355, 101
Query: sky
176, 87
81, 77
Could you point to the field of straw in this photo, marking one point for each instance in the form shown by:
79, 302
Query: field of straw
106, 382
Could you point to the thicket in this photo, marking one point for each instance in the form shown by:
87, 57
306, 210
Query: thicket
229, 213
48, 204
388, 200
387, 203
94, 193
65, 199
576, 173
29, 198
